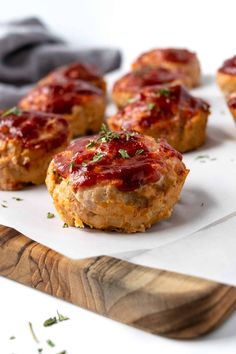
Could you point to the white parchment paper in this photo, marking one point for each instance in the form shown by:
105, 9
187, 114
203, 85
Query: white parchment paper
208, 195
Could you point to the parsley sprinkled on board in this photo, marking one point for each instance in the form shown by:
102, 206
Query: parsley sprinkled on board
139, 152
124, 153
13, 110
199, 157
50, 215
4, 205
63, 352
33, 333
40, 350
150, 106
12, 338
65, 225
17, 199
50, 321
97, 157
91, 144
61, 317
50, 343
53, 320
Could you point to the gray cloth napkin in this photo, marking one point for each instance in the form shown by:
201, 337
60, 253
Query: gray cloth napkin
28, 51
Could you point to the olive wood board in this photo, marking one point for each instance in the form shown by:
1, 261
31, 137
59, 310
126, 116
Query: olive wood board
154, 300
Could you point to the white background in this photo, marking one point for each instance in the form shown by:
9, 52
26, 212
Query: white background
207, 27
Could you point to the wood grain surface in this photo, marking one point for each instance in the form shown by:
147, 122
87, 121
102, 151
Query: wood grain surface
153, 300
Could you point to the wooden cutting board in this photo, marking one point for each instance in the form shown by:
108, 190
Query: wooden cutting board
153, 300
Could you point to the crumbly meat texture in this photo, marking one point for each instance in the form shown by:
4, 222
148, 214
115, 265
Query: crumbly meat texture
181, 60
81, 104
104, 206
27, 144
129, 85
76, 71
226, 76
170, 113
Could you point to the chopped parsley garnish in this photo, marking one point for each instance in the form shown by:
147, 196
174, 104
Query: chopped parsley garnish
84, 164
63, 352
132, 100
40, 350
50, 321
163, 92
97, 157
91, 144
72, 164
50, 343
17, 199
33, 333
13, 110
124, 153
199, 157
139, 152
50, 215
107, 135
4, 205
12, 337
128, 135
65, 225
150, 106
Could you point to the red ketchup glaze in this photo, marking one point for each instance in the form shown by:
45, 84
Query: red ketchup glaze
229, 66
177, 55
77, 71
127, 174
59, 97
155, 104
147, 77
35, 129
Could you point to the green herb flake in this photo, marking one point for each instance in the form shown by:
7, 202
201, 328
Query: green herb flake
91, 144
17, 199
50, 343
150, 106
84, 164
33, 333
61, 317
72, 165
139, 152
128, 135
50, 321
65, 225
97, 157
63, 352
50, 215
124, 154
13, 110
40, 350
163, 92
132, 100
4, 205
200, 157
12, 338
107, 135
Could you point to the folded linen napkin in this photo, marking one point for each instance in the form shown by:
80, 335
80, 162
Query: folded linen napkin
28, 51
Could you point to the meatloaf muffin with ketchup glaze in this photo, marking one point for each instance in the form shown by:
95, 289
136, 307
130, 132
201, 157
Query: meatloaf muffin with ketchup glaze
130, 84
181, 60
226, 76
76, 71
81, 104
28, 141
170, 113
232, 105
116, 181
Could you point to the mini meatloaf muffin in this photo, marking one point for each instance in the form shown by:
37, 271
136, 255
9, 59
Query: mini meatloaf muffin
170, 113
28, 141
76, 71
81, 104
173, 59
232, 105
226, 76
116, 181
130, 84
